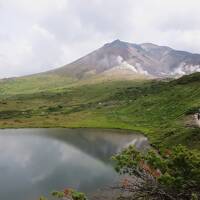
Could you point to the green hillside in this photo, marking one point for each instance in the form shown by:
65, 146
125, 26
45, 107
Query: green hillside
158, 109
51, 81
33, 84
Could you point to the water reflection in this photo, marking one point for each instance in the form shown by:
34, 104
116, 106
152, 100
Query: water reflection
37, 161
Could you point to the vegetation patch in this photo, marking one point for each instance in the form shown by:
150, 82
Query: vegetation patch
156, 108
172, 174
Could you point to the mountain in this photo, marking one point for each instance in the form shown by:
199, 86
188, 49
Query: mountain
117, 60
127, 59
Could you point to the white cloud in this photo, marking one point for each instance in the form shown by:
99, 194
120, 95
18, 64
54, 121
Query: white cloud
43, 32
36, 35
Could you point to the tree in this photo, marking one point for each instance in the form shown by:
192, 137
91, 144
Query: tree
171, 175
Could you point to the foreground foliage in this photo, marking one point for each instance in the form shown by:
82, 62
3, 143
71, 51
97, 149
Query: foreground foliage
171, 175
67, 194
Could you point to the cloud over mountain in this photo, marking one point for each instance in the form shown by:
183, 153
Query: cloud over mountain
40, 35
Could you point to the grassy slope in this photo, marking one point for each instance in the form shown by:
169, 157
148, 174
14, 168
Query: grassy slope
49, 82
155, 108
33, 84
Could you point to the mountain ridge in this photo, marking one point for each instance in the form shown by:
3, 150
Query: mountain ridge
113, 61
145, 59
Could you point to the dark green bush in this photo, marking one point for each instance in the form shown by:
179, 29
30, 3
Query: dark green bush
55, 108
175, 174
192, 110
67, 194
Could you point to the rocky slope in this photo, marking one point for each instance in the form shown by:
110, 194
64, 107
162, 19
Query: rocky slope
125, 59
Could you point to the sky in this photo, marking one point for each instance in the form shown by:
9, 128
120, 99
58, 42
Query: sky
39, 35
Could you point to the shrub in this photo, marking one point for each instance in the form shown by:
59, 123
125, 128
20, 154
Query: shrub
54, 109
68, 194
192, 110
175, 174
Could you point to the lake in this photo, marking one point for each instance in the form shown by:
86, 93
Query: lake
34, 162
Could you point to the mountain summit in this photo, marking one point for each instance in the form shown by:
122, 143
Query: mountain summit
114, 61
120, 58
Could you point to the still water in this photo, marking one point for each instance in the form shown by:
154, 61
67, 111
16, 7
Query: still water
34, 162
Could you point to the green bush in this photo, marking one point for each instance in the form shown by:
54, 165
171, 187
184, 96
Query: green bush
54, 109
175, 174
67, 194
192, 110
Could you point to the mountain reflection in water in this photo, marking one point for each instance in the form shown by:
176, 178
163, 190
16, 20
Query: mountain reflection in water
34, 162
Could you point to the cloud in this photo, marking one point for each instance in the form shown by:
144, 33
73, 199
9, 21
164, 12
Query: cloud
37, 36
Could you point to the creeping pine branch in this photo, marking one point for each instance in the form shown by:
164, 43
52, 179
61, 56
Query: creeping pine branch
141, 187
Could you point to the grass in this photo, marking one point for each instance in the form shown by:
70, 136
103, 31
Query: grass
33, 84
156, 108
